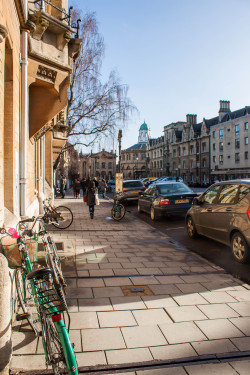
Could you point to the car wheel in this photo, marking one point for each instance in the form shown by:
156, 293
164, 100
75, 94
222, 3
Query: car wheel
139, 207
152, 213
191, 230
240, 248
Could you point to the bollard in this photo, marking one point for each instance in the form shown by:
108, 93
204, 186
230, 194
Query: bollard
5, 316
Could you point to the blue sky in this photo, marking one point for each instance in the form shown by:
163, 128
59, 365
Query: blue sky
176, 56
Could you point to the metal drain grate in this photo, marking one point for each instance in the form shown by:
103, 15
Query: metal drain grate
138, 290
59, 246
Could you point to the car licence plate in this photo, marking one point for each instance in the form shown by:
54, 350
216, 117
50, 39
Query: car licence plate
182, 201
133, 191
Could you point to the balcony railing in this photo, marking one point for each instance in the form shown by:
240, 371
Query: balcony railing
44, 4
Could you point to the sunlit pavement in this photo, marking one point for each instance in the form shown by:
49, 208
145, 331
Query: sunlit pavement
135, 298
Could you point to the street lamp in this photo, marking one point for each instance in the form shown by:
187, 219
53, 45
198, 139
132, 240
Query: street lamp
148, 165
136, 167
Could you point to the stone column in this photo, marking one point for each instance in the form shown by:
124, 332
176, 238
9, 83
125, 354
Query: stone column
5, 316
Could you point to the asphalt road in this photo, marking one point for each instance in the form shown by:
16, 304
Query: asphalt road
218, 253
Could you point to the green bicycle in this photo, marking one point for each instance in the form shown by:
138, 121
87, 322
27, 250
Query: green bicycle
42, 302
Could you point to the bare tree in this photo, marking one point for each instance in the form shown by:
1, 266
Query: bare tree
94, 108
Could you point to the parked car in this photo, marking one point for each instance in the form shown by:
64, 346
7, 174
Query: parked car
167, 178
131, 189
110, 186
147, 179
165, 198
222, 213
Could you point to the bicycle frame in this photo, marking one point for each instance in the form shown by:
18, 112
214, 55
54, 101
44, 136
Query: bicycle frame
56, 315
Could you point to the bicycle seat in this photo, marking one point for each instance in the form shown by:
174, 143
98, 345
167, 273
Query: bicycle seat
39, 274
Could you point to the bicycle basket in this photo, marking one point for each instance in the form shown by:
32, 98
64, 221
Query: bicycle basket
10, 249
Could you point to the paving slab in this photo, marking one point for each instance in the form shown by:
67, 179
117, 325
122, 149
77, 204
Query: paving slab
178, 333
116, 319
242, 367
213, 368
115, 357
102, 339
81, 320
218, 329
218, 310
143, 336
214, 347
167, 352
185, 313
151, 317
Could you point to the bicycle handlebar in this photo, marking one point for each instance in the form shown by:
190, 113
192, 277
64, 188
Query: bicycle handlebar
29, 220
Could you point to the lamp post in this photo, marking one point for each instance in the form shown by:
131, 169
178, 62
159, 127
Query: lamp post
148, 165
119, 141
136, 167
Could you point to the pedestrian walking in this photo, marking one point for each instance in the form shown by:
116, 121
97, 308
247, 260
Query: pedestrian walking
96, 182
77, 187
103, 187
83, 186
91, 192
63, 182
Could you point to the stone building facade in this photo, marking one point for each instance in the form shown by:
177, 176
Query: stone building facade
190, 152
134, 162
100, 165
155, 155
37, 50
214, 149
230, 137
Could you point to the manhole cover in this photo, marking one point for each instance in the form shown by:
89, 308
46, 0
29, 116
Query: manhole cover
138, 290
59, 246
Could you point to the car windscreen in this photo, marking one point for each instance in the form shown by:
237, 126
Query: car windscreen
173, 188
134, 184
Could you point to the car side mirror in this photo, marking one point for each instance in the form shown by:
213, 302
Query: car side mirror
196, 202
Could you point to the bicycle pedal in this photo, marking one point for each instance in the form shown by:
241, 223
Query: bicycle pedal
23, 316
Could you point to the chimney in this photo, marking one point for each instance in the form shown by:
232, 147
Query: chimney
191, 119
224, 108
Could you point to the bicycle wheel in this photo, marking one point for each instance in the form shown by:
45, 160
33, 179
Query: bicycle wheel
26, 301
65, 218
118, 211
54, 350
53, 262
56, 260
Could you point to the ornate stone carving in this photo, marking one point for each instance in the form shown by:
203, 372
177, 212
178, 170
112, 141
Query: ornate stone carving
42, 131
67, 36
3, 33
74, 48
41, 25
46, 74
31, 26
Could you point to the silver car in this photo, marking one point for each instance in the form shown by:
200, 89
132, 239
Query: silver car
131, 189
222, 213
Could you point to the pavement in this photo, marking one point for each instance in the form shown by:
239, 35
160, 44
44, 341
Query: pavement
141, 304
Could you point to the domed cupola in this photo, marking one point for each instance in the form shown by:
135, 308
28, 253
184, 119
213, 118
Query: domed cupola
143, 133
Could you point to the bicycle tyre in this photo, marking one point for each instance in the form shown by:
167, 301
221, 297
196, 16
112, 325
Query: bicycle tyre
118, 211
58, 279
26, 301
66, 218
54, 350
55, 355
57, 261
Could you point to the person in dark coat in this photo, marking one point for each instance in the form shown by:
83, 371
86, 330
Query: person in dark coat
91, 192
77, 187
83, 186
